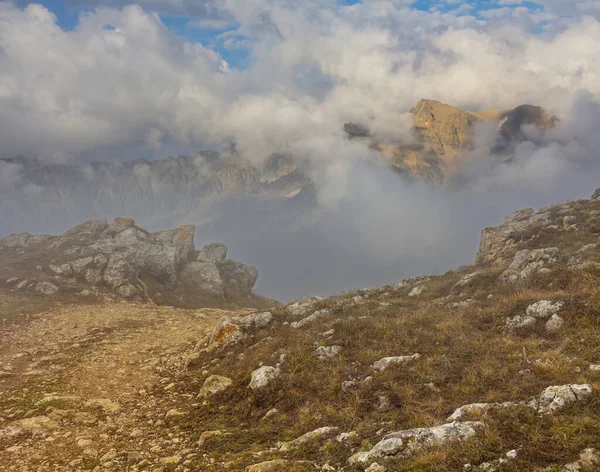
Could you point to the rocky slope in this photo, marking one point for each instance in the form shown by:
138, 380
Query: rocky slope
491, 367
98, 259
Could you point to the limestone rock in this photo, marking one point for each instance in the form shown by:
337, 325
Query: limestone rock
528, 263
203, 276
61, 269
263, 376
404, 443
46, 288
317, 434
302, 307
543, 309
214, 253
36, 426
416, 291
327, 352
557, 397
555, 323
309, 319
213, 385
383, 364
226, 333
589, 460
467, 279
497, 241
519, 322
256, 320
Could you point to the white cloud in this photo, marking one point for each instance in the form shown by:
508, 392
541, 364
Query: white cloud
313, 66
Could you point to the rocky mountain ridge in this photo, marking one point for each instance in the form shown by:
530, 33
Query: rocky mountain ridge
182, 189
123, 260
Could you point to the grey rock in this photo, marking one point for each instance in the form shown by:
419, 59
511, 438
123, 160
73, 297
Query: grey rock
215, 252
555, 323
213, 385
240, 277
225, 333
543, 309
383, 364
256, 320
309, 319
118, 271
312, 436
327, 352
46, 288
519, 321
404, 443
263, 376
203, 276
61, 269
528, 263
80, 265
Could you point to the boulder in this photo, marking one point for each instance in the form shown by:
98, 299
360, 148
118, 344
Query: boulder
64, 270
557, 397
225, 333
118, 271
555, 323
203, 276
263, 376
327, 352
528, 263
239, 277
213, 385
302, 307
519, 322
404, 443
46, 288
543, 309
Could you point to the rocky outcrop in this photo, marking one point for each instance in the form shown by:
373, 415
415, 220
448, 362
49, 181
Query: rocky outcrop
405, 443
128, 262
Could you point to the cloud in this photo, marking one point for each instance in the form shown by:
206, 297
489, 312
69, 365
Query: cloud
121, 85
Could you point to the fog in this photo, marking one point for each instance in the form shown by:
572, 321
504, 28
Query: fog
122, 86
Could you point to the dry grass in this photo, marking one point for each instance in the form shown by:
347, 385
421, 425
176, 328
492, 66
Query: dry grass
467, 357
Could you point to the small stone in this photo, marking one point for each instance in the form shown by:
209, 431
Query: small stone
555, 323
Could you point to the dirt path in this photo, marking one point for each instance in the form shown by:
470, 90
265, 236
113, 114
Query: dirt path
78, 384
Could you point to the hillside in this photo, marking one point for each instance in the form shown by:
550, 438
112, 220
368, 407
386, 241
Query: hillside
493, 366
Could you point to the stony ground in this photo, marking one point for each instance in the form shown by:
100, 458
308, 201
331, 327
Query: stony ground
84, 385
